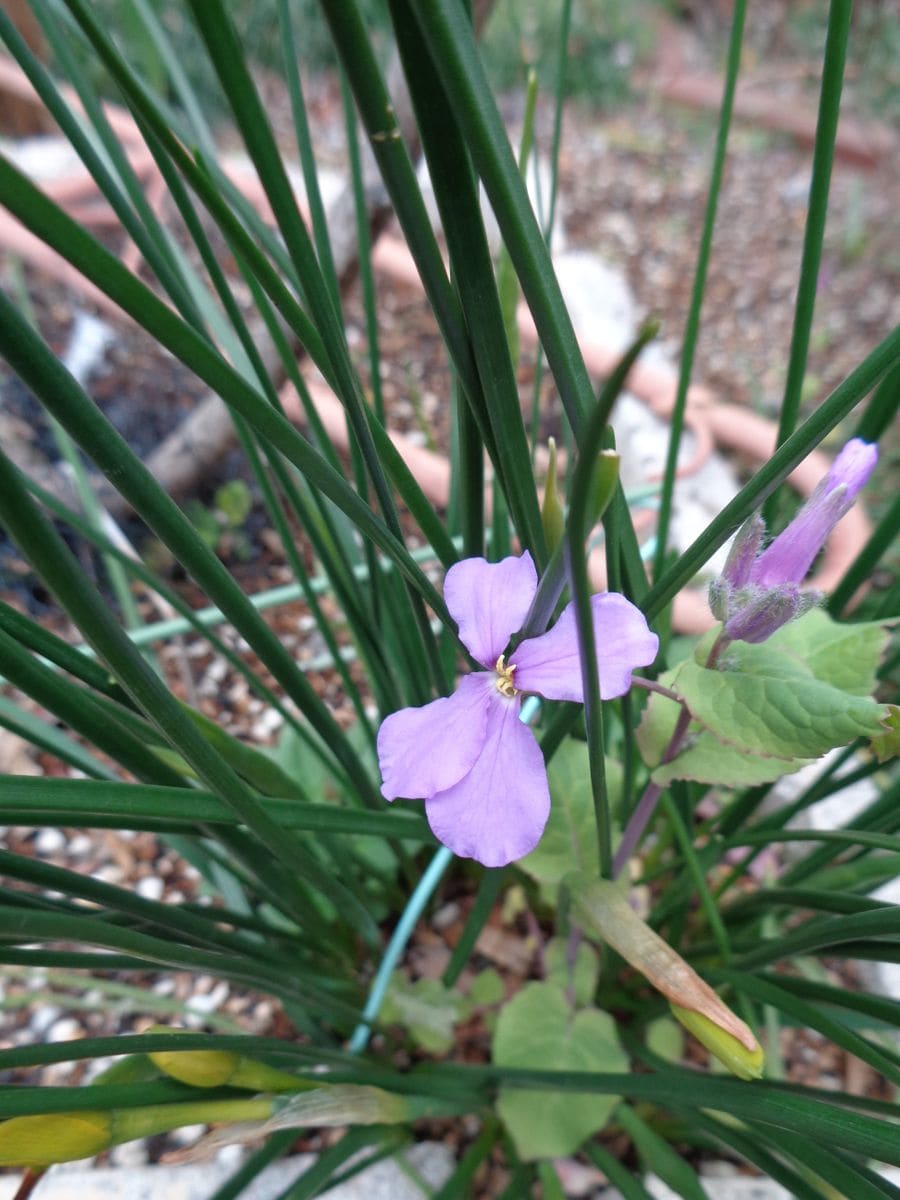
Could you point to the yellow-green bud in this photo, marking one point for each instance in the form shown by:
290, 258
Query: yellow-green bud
603, 484
198, 1068
732, 1053
41, 1141
216, 1068
552, 516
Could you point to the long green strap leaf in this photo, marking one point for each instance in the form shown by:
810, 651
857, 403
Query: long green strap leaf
71, 801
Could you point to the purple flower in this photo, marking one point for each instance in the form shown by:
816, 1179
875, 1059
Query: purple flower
758, 593
479, 769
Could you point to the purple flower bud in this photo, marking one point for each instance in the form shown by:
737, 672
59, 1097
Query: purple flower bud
744, 550
791, 554
758, 593
766, 609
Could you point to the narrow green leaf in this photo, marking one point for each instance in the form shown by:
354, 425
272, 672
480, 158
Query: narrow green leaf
37, 800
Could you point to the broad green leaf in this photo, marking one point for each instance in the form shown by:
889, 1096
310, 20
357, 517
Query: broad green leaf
487, 987
844, 655
234, 500
765, 703
298, 760
426, 1009
706, 759
582, 975
886, 745
538, 1028
664, 1037
570, 839
658, 722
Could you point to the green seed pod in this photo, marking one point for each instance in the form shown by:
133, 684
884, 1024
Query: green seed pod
198, 1068
746, 1064
552, 516
41, 1141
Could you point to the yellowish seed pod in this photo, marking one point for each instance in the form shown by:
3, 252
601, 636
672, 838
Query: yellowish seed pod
198, 1068
41, 1141
731, 1053
553, 517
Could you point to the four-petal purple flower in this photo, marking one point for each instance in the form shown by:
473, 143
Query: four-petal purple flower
758, 593
478, 768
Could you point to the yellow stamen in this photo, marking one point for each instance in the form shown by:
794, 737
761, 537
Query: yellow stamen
505, 685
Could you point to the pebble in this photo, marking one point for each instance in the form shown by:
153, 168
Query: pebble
49, 841
209, 1001
43, 1018
65, 1030
150, 887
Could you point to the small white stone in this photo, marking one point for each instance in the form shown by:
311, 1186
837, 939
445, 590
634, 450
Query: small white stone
209, 1001
65, 1030
42, 1018
129, 1155
187, 1134
50, 841
150, 887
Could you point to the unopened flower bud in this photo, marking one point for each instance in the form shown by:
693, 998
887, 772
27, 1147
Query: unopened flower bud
552, 516
48, 1138
198, 1068
759, 612
729, 1050
757, 592
216, 1068
744, 551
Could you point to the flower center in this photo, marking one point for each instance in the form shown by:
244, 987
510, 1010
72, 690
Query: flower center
505, 685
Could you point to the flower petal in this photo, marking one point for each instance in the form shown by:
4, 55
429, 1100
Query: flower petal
424, 750
489, 602
497, 812
788, 558
550, 664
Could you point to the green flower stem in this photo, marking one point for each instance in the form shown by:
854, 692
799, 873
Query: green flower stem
594, 483
839, 14
692, 327
646, 806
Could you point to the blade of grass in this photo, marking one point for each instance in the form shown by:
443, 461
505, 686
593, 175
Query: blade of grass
692, 324
839, 12
31, 358
22, 926
43, 736
47, 800
445, 27
764, 991
54, 563
577, 528
473, 276
67, 237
